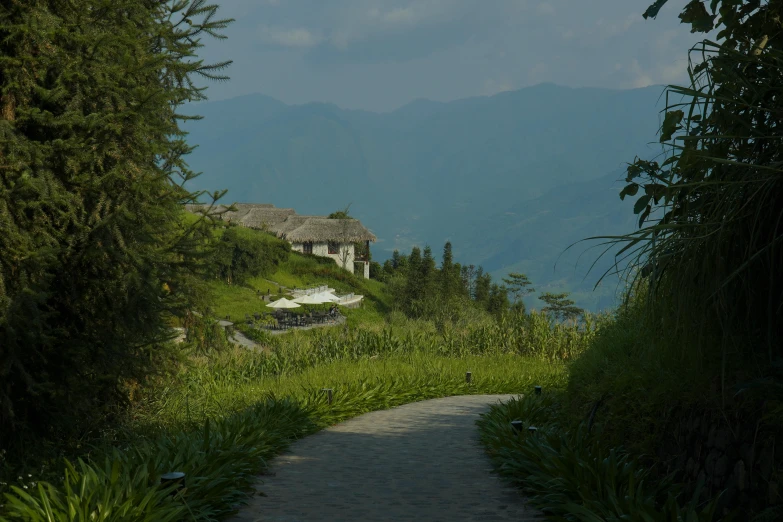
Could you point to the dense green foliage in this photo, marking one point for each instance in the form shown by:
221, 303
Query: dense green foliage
420, 289
243, 253
95, 257
713, 208
699, 332
572, 475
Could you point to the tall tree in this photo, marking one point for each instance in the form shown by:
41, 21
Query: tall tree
395, 259
519, 286
96, 256
413, 288
560, 306
497, 301
449, 278
482, 287
428, 272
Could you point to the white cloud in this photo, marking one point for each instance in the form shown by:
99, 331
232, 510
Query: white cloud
295, 37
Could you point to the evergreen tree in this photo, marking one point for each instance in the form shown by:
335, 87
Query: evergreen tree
395, 259
519, 286
402, 264
428, 273
497, 301
413, 287
388, 267
96, 256
560, 306
449, 279
482, 287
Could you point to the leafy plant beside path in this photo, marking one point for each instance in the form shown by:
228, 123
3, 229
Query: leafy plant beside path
571, 475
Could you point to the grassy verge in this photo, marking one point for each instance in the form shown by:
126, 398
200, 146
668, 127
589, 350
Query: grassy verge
570, 474
656, 403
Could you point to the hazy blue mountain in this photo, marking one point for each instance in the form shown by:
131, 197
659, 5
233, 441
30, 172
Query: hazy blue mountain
533, 237
432, 171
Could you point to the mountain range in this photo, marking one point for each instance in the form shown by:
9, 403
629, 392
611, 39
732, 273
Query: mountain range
511, 179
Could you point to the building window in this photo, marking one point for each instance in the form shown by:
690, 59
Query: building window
333, 247
307, 248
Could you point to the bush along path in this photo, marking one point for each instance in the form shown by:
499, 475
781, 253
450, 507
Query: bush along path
420, 461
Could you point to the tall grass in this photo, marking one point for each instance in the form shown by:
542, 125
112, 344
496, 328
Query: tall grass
571, 474
226, 412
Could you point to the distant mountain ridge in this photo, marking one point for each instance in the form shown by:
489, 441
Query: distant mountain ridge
432, 171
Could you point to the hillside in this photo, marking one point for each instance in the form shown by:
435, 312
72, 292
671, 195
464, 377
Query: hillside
430, 171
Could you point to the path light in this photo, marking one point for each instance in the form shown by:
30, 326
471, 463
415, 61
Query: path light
328, 394
532, 430
174, 477
538, 390
468, 375
517, 425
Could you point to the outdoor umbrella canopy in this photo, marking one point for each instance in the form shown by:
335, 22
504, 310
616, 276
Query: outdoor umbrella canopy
327, 297
283, 303
309, 299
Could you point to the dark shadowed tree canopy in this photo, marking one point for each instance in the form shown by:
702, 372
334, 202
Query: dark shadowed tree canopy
94, 253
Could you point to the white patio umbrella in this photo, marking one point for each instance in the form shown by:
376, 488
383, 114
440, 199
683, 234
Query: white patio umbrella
283, 303
327, 297
310, 299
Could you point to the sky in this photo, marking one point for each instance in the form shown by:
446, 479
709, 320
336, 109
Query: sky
379, 55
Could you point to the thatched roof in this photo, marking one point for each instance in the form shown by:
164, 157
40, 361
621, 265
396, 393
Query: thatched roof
243, 209
287, 224
321, 230
291, 222
258, 217
198, 208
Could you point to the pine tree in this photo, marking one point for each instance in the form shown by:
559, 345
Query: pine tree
482, 287
449, 280
413, 287
560, 306
519, 286
497, 302
395, 259
95, 254
428, 273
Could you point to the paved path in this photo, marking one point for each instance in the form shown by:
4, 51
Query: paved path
419, 462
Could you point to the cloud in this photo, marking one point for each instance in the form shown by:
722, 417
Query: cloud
297, 37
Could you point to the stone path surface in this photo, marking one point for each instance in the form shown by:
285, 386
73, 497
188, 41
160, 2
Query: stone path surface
419, 462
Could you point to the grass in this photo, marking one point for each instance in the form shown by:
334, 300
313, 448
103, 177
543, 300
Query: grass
222, 422
225, 412
301, 271
571, 474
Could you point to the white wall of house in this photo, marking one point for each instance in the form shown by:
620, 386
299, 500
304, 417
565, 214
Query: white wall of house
322, 249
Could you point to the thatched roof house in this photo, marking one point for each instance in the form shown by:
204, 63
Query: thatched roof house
322, 230
291, 222
317, 235
242, 209
264, 217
